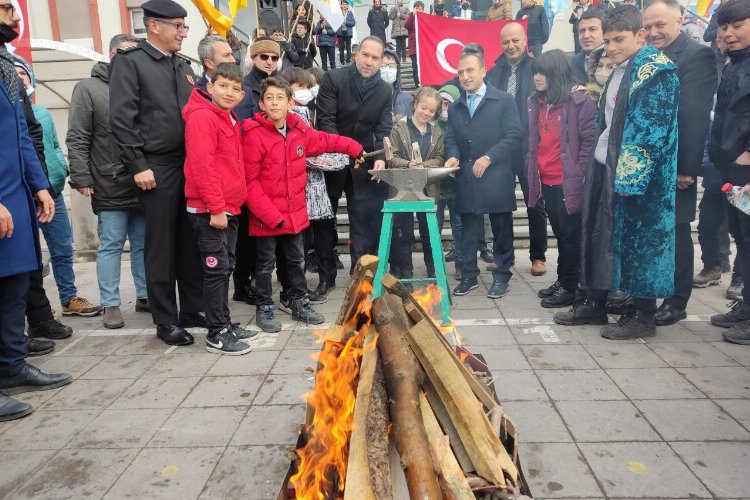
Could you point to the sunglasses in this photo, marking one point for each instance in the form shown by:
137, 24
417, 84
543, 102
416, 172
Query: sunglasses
266, 57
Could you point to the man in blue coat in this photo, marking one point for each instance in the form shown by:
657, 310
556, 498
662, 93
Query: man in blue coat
482, 135
21, 175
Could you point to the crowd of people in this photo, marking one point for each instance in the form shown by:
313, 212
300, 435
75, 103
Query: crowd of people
225, 178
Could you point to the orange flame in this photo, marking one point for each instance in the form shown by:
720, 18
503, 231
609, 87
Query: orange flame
322, 468
429, 299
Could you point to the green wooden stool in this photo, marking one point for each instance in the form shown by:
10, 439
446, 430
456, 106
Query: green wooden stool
384, 249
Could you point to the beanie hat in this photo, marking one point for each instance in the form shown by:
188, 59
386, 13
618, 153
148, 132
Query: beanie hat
265, 46
24, 64
450, 93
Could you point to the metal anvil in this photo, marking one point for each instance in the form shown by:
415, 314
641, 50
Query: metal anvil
410, 182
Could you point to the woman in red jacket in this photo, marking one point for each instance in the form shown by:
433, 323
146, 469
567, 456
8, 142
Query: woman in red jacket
275, 145
411, 29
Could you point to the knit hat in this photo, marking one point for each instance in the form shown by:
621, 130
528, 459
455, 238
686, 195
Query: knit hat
265, 46
450, 93
24, 64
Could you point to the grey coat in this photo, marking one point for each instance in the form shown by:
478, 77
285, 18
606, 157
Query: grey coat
398, 15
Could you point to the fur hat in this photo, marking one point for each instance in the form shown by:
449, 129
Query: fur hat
265, 45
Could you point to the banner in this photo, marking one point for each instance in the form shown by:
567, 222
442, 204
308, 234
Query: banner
440, 40
22, 44
331, 11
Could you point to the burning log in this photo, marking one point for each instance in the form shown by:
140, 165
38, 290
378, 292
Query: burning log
403, 377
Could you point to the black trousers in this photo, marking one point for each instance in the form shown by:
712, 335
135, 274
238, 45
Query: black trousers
365, 221
684, 254
502, 244
739, 228
713, 234
38, 308
345, 50
291, 247
400, 48
327, 56
171, 251
402, 245
244, 251
217, 255
537, 220
567, 230
415, 69
646, 306
324, 244
13, 296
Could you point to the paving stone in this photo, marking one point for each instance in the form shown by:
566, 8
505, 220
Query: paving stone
537, 422
472, 336
559, 357
284, 389
739, 353
256, 362
699, 420
248, 472
737, 408
542, 335
120, 429
672, 333
270, 425
156, 393
17, 467
597, 421
475, 313
557, 470
503, 357
302, 339
76, 474
198, 427
292, 361
720, 382
518, 385
692, 354
573, 385
175, 472
224, 391
74, 365
641, 470
653, 383
172, 366
88, 394
121, 367
46, 429
616, 355
95, 346
146, 344
721, 466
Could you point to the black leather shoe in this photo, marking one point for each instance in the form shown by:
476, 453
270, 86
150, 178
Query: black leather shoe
668, 315
561, 298
586, 312
37, 347
633, 324
50, 329
550, 290
31, 379
10, 409
193, 320
320, 295
173, 335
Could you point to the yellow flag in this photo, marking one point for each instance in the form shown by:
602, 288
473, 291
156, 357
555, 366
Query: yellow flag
236, 5
215, 18
703, 6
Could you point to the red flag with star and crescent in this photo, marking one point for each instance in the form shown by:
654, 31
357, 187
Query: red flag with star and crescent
440, 40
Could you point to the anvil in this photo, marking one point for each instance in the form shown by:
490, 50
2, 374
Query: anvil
410, 182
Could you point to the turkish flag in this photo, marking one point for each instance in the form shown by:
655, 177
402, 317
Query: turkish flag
22, 44
440, 40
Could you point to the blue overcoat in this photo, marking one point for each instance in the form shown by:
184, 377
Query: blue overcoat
21, 175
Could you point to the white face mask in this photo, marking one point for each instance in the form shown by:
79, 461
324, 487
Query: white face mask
30, 90
388, 74
602, 75
303, 96
314, 91
443, 116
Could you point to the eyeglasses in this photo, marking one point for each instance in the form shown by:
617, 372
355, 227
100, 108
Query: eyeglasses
266, 57
178, 26
390, 66
8, 7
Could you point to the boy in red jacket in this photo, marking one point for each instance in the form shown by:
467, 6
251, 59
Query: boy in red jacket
275, 145
215, 191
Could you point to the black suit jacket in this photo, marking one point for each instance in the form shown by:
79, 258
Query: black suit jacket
696, 70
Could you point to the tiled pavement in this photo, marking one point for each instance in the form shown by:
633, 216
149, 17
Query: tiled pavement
667, 417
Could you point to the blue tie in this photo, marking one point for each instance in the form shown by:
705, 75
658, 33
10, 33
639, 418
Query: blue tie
472, 104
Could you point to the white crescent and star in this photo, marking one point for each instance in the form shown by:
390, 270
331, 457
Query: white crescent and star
440, 51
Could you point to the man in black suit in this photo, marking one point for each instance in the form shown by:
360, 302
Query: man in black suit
590, 37
355, 102
662, 20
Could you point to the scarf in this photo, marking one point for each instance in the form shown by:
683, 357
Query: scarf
364, 84
8, 74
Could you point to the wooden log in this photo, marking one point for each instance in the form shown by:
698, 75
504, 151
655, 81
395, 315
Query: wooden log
487, 453
450, 430
377, 438
452, 479
356, 293
402, 379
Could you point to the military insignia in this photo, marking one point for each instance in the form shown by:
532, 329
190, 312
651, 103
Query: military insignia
299, 151
190, 79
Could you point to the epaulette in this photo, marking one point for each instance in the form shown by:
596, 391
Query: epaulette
184, 58
131, 48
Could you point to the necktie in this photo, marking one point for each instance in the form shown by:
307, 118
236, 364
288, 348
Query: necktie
472, 104
512, 81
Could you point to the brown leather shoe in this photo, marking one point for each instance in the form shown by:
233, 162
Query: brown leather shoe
538, 268
491, 267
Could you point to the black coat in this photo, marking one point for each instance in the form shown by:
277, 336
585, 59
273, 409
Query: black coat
147, 92
378, 21
494, 130
537, 23
306, 51
578, 62
367, 119
698, 81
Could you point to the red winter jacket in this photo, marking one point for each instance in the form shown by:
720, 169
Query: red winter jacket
411, 30
214, 173
276, 173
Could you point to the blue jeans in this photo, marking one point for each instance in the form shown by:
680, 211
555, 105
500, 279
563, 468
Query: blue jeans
113, 227
58, 233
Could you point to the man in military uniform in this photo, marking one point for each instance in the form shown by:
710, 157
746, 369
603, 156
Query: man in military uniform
149, 85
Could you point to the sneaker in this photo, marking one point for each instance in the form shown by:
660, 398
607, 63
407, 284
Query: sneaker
633, 324
36, 347
285, 303
225, 342
498, 290
538, 267
142, 306
451, 255
78, 306
265, 318
586, 312
707, 277
739, 313
50, 329
738, 334
486, 255
242, 333
303, 311
546, 292
113, 317
734, 292
561, 298
320, 294
465, 286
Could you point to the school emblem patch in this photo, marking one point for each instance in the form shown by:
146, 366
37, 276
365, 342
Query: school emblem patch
212, 261
299, 150
190, 79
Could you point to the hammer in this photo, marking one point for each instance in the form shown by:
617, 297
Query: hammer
386, 150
